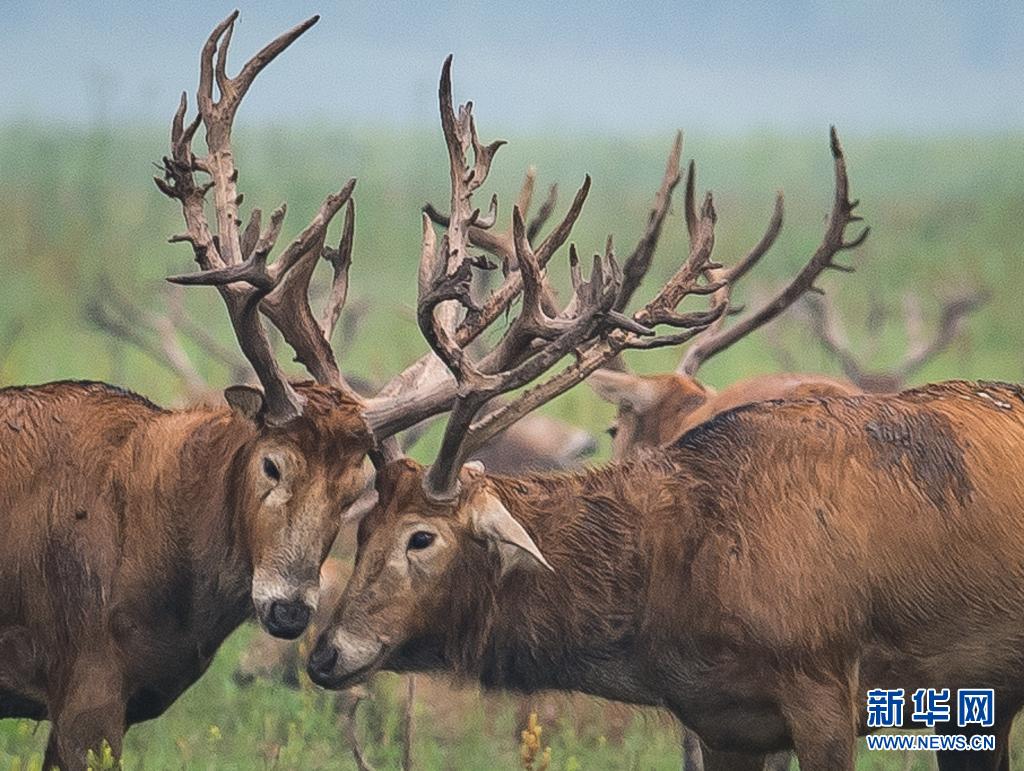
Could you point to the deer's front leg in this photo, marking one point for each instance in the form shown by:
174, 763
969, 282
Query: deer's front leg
87, 708
821, 712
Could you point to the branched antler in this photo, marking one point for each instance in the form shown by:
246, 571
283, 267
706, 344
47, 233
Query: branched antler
717, 340
588, 327
427, 388
341, 261
235, 261
921, 349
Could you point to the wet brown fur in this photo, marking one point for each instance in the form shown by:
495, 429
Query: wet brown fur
756, 578
534, 443
129, 545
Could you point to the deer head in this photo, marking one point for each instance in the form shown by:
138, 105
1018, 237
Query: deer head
444, 523
652, 409
301, 460
304, 444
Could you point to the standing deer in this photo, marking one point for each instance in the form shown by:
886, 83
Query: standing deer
140, 537
655, 410
466, 420
753, 577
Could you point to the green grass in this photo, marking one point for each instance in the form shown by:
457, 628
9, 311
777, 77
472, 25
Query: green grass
78, 205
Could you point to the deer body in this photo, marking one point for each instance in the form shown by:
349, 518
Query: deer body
656, 410
669, 592
139, 538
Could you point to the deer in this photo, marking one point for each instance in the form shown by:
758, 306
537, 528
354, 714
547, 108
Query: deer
153, 533
755, 577
589, 325
655, 410
140, 536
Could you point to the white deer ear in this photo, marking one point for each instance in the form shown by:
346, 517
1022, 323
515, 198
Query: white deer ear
624, 390
493, 523
245, 400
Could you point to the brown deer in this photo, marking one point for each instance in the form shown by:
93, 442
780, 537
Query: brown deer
139, 537
655, 410
467, 429
753, 578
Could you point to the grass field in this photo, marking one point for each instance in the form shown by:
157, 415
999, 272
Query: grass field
77, 205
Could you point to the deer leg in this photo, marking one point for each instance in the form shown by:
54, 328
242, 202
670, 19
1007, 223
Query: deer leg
716, 760
829, 748
821, 713
693, 755
88, 710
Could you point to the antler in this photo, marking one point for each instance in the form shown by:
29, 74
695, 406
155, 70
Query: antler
826, 325
588, 327
718, 339
639, 262
158, 336
341, 261
235, 261
502, 245
426, 387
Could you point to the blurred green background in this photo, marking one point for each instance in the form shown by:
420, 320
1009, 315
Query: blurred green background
929, 117
78, 208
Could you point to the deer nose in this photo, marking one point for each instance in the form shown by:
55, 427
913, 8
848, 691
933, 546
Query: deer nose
288, 619
321, 664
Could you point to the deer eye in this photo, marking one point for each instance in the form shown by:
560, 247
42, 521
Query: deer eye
613, 431
421, 539
271, 470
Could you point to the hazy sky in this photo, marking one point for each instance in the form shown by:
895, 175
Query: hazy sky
911, 67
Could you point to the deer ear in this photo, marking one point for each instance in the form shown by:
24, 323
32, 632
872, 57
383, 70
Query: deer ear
493, 523
623, 389
245, 400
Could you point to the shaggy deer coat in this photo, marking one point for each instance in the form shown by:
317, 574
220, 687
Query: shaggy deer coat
136, 539
756, 578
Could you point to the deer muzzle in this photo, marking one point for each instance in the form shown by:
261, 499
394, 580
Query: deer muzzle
342, 659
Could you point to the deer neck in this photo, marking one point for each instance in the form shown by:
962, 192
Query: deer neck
579, 626
195, 486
